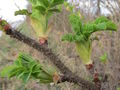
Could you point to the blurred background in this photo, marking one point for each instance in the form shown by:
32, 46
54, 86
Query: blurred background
109, 43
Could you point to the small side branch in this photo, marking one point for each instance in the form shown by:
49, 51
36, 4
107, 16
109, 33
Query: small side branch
68, 75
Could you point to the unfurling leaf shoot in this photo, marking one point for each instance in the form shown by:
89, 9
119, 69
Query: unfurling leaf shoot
82, 32
25, 68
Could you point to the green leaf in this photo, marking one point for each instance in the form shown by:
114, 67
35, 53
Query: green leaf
57, 2
101, 26
101, 20
53, 10
68, 37
4, 22
25, 68
19, 74
22, 12
41, 9
15, 72
25, 77
106, 23
111, 26
6, 70
82, 32
17, 62
32, 65
39, 2
103, 58
45, 2
36, 68
76, 23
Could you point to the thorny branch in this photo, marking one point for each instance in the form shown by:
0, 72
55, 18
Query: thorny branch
67, 73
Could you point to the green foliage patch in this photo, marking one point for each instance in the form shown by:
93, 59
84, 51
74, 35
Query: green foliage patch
25, 68
82, 32
103, 58
42, 10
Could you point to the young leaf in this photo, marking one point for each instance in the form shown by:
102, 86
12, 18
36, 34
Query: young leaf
6, 70
25, 68
53, 10
57, 2
82, 32
76, 23
103, 58
41, 12
22, 12
68, 37
41, 9
101, 20
25, 77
